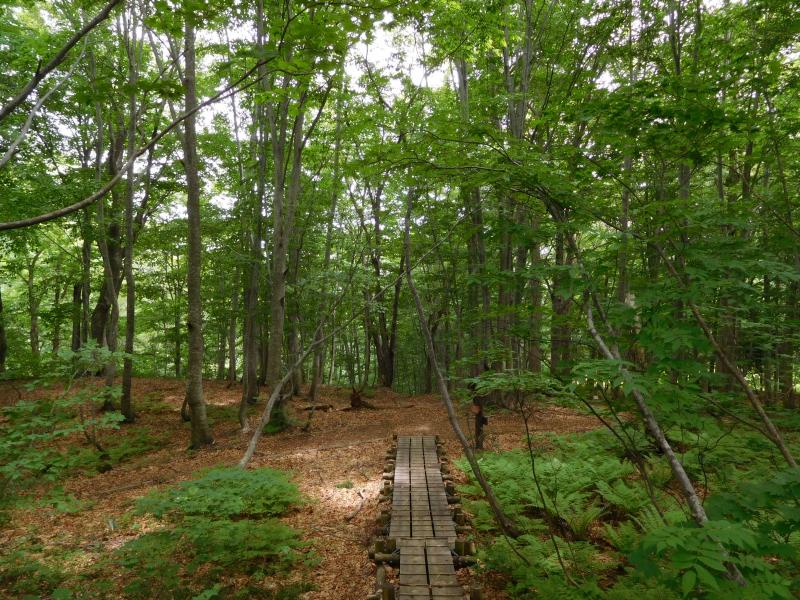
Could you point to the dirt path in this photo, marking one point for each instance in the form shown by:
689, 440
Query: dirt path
337, 464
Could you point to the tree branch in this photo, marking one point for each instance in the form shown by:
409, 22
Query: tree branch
41, 73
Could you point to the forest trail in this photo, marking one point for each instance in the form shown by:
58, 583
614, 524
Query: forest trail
337, 464
422, 525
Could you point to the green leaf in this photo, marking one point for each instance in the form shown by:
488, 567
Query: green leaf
688, 582
706, 578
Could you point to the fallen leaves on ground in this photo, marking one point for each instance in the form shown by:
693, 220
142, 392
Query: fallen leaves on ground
337, 464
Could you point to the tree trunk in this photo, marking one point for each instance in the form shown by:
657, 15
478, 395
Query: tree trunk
110, 291
222, 347
787, 350
56, 345
86, 265
3, 339
126, 402
250, 336
176, 357
108, 242
201, 433
33, 306
560, 332
535, 319
232, 332
294, 318
318, 365
77, 311
284, 206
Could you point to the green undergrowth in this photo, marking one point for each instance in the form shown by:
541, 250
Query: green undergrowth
592, 517
65, 431
279, 421
222, 524
215, 536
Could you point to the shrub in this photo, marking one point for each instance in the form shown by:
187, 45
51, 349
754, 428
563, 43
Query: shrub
22, 572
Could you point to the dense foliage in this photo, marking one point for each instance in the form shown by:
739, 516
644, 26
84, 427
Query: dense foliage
618, 542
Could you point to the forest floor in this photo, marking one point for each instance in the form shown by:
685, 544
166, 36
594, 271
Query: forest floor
337, 465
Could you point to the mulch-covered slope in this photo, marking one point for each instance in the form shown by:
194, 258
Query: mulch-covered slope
337, 464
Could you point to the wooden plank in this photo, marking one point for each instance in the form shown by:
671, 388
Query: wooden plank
421, 522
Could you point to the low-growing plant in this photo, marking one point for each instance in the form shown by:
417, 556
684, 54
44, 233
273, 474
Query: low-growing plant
23, 573
152, 561
138, 442
624, 537
225, 492
222, 523
581, 519
612, 522
38, 438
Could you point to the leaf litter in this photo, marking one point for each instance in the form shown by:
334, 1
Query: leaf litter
337, 464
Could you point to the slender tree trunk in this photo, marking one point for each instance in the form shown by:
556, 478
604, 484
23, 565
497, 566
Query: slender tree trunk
75, 343
319, 354
222, 347
232, 332
126, 402
263, 347
367, 359
294, 322
332, 369
787, 350
252, 355
3, 338
108, 242
33, 305
535, 319
176, 357
560, 331
283, 216
110, 292
56, 345
201, 433
86, 265
250, 337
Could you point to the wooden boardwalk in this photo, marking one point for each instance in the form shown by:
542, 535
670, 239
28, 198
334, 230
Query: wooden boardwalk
421, 523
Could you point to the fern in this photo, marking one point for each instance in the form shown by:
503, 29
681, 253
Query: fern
264, 545
581, 520
649, 520
630, 500
221, 522
624, 537
225, 492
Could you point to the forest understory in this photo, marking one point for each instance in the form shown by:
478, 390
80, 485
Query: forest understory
337, 465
